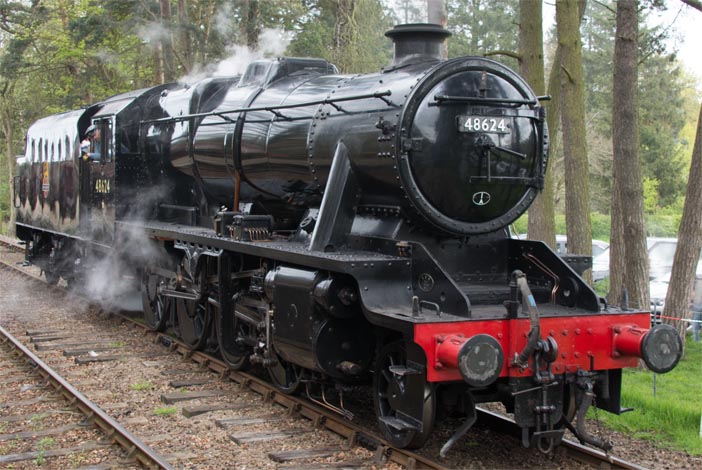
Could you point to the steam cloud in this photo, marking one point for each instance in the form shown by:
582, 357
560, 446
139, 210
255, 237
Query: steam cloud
272, 43
112, 280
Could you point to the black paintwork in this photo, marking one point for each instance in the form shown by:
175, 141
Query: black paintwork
317, 217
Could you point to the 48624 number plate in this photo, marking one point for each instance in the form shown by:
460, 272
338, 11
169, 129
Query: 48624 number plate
488, 124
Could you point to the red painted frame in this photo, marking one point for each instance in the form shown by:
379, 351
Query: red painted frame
584, 342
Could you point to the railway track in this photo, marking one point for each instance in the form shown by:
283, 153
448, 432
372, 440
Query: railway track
305, 417
32, 372
192, 390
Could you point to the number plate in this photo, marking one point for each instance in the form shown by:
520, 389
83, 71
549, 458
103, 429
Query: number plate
487, 124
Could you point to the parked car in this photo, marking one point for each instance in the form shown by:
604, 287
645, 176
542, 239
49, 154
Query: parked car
600, 265
658, 289
661, 252
598, 246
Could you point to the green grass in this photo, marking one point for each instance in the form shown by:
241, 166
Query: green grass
165, 411
37, 421
672, 416
142, 385
42, 446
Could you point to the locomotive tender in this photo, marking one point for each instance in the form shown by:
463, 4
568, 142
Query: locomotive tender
338, 230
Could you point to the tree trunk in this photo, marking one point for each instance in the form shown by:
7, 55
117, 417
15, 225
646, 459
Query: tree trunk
159, 76
344, 31
541, 213
9, 139
628, 223
579, 229
166, 42
7, 124
687, 253
186, 46
474, 26
436, 14
252, 26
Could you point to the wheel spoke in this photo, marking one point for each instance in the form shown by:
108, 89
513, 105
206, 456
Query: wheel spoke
193, 326
285, 376
387, 404
228, 331
387, 376
156, 308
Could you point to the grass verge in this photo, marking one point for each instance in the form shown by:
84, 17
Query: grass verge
671, 417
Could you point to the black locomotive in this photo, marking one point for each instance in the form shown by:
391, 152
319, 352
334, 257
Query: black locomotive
340, 230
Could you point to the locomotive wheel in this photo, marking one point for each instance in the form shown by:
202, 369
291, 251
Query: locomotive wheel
193, 322
51, 273
390, 391
157, 308
75, 283
229, 354
228, 330
285, 375
52, 277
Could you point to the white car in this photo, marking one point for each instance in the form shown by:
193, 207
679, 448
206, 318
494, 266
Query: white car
598, 246
600, 265
661, 252
658, 289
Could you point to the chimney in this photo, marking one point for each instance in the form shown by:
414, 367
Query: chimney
417, 43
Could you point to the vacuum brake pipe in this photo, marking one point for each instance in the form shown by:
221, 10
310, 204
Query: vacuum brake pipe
522, 360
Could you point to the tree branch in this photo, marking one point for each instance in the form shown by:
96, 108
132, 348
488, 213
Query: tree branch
570, 77
511, 54
607, 7
696, 4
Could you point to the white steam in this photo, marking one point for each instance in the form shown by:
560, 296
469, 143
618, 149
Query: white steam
272, 43
114, 280
223, 19
153, 32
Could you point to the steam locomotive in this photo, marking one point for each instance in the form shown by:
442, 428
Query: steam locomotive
341, 230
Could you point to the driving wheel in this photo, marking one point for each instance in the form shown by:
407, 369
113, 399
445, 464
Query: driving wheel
397, 390
193, 322
157, 308
286, 376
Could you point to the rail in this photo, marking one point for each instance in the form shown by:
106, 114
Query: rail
354, 434
114, 431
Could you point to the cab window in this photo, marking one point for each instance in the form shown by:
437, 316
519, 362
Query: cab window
108, 140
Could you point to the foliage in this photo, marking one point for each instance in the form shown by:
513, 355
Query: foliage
672, 414
600, 226
483, 27
660, 102
57, 55
664, 223
365, 49
520, 225
661, 90
602, 287
42, 447
650, 188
